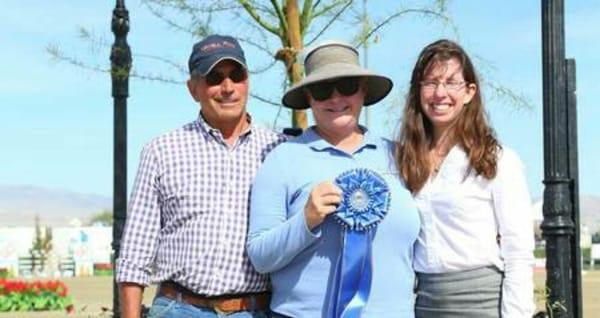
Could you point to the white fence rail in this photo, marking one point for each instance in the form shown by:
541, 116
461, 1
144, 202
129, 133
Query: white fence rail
74, 250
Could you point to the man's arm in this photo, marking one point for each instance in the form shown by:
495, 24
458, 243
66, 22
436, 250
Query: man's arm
130, 295
140, 236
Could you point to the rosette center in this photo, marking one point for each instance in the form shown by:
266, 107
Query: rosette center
359, 200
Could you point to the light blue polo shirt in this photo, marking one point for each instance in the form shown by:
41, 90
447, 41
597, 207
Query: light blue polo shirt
301, 262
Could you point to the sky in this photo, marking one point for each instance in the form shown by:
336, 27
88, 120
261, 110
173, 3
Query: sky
56, 129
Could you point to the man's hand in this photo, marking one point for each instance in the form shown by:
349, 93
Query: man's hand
131, 299
323, 200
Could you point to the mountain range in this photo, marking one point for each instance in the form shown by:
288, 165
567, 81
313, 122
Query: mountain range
20, 203
589, 212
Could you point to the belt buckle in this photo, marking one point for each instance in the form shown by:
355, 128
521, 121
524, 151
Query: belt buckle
247, 303
216, 305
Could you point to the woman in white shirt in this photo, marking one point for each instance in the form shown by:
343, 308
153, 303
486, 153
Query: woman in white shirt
474, 254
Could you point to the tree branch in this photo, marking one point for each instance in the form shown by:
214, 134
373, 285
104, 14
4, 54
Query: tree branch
200, 31
328, 8
248, 7
316, 5
281, 16
181, 68
502, 92
424, 11
306, 15
59, 56
265, 100
330, 22
184, 6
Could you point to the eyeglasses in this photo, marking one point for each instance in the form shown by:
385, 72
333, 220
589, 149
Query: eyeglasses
238, 75
346, 86
450, 85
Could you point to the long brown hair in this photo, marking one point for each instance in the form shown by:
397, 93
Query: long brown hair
470, 130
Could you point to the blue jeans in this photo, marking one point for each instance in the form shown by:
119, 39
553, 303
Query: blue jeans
163, 307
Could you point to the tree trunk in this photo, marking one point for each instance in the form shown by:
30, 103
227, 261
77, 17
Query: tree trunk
293, 68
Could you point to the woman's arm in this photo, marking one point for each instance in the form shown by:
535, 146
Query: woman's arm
275, 237
512, 206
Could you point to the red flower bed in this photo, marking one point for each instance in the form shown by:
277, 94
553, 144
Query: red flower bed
19, 295
103, 266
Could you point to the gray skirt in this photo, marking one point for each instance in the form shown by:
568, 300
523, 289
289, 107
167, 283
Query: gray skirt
474, 293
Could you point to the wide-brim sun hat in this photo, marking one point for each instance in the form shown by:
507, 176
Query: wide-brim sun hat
335, 60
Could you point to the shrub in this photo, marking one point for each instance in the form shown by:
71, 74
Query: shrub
540, 252
19, 295
103, 269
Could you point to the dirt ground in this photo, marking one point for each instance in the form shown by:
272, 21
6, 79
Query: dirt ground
590, 292
92, 297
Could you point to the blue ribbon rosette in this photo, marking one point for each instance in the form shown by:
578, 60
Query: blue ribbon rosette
365, 202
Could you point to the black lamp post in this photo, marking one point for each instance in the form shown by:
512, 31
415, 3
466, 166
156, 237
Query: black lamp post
120, 58
561, 209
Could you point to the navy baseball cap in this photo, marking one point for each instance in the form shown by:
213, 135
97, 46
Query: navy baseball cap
212, 50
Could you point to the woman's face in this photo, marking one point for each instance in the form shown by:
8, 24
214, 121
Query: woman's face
444, 93
338, 114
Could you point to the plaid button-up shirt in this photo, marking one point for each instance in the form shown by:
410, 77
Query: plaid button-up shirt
188, 214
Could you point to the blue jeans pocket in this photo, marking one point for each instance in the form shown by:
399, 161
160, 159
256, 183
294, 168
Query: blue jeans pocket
160, 307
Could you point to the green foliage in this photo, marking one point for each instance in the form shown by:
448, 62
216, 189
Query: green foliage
42, 244
4, 273
558, 307
103, 269
596, 238
540, 252
586, 253
30, 302
103, 272
105, 218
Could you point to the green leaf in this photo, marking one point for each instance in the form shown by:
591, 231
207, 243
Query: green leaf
5, 303
40, 303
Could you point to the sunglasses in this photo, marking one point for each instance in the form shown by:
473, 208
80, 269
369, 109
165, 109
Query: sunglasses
346, 86
238, 75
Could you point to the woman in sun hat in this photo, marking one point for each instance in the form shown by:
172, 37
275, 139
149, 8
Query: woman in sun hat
330, 220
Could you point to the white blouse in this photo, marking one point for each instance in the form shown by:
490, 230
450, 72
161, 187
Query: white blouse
461, 217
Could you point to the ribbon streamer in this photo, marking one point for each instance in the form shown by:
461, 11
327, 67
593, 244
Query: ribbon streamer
365, 203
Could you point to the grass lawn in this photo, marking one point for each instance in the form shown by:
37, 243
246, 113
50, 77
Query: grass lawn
92, 297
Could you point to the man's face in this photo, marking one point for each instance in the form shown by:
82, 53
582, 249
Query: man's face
222, 94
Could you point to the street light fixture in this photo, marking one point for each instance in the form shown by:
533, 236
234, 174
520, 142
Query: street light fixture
120, 58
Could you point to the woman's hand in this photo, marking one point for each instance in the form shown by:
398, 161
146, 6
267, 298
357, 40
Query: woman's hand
323, 200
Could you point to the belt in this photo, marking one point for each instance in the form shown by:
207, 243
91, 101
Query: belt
220, 304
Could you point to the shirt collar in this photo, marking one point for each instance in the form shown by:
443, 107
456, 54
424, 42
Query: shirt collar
316, 142
208, 131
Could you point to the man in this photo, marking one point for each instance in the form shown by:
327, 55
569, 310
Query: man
187, 220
